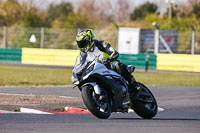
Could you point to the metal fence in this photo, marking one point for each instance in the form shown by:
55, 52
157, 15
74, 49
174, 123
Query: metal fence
170, 41
18, 37
187, 42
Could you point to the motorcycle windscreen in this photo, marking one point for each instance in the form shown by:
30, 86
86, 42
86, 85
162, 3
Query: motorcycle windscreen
80, 62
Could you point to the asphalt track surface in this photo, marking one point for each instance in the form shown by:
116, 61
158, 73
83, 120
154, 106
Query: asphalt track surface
181, 114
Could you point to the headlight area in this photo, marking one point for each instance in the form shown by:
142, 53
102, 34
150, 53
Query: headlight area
75, 79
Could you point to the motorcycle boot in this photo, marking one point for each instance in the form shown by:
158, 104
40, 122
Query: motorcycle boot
134, 86
125, 71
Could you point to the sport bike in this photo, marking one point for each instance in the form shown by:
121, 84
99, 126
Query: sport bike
105, 91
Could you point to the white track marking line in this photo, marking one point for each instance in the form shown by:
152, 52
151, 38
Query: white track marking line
159, 110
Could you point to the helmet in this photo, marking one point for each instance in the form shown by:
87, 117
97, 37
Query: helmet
85, 40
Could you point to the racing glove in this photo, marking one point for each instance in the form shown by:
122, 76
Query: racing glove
106, 61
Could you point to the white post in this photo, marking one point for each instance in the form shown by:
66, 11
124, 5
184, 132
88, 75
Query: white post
193, 42
4, 36
42, 38
78, 30
166, 45
156, 41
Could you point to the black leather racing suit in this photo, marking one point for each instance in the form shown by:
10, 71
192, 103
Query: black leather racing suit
108, 54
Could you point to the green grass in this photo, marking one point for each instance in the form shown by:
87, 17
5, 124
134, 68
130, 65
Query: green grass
24, 76
35, 76
169, 79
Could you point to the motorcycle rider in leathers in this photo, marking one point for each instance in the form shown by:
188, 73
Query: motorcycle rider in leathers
107, 55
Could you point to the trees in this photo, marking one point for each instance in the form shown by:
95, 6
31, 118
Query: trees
142, 11
11, 11
192, 7
196, 10
104, 12
181, 24
57, 12
33, 18
64, 18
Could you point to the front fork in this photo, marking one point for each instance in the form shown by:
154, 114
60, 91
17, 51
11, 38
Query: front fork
96, 87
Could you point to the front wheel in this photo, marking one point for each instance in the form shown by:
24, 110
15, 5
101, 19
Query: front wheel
98, 105
144, 103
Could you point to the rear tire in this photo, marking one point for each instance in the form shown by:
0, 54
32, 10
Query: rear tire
146, 110
93, 102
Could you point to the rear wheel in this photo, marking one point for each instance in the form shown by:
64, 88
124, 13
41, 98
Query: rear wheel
144, 103
98, 105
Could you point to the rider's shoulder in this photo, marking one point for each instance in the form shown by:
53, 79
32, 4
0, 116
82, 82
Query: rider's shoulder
98, 42
102, 43
99, 45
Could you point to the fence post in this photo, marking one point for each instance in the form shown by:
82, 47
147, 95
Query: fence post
117, 38
146, 62
156, 38
4, 36
42, 38
193, 40
156, 41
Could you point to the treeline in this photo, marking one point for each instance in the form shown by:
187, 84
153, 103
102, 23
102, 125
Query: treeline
94, 14
88, 14
181, 17
26, 14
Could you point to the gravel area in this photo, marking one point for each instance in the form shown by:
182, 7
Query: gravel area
13, 102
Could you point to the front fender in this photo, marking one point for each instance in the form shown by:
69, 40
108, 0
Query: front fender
96, 87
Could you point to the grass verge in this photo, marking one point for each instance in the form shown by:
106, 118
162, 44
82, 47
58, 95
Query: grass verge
25, 76
35, 76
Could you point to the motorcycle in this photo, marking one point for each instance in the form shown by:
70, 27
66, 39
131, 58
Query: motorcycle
105, 91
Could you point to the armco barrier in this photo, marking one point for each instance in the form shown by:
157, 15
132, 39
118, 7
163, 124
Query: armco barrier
10, 55
49, 56
138, 60
178, 62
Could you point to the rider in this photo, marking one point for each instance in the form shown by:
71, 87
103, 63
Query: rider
107, 55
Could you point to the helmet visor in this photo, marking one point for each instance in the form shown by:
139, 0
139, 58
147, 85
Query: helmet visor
85, 49
82, 43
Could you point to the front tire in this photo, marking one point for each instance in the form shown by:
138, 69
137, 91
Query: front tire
146, 107
98, 105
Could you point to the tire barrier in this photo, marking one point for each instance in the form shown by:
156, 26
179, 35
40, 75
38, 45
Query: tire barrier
64, 57
139, 60
178, 62
59, 57
10, 55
